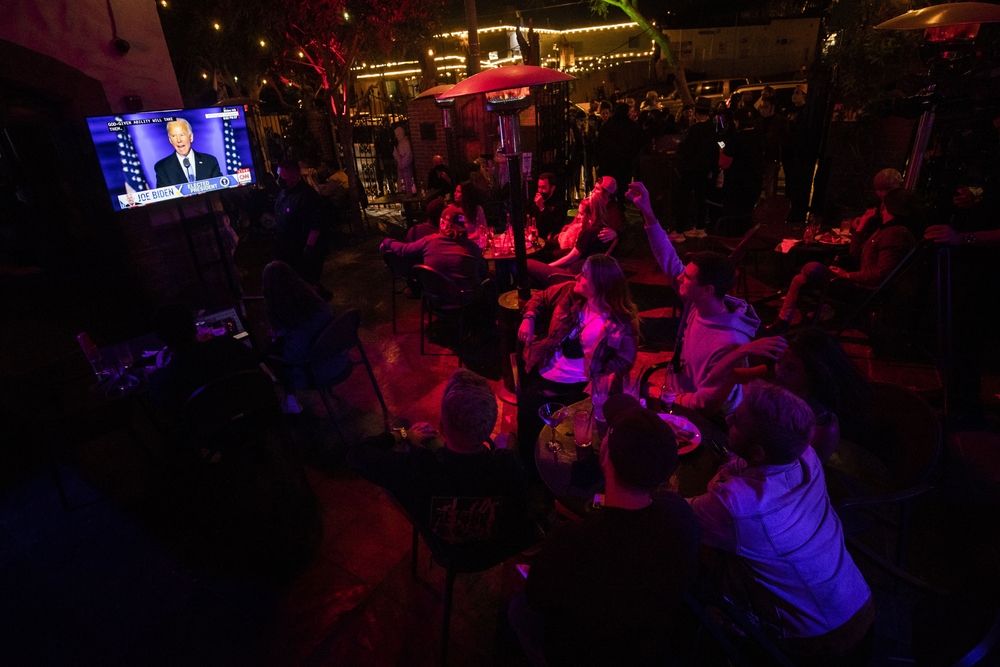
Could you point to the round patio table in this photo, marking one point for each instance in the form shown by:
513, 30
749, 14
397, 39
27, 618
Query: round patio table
575, 485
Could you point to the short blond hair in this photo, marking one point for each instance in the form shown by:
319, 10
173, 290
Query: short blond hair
469, 407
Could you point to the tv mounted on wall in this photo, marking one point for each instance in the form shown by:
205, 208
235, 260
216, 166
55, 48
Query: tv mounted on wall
156, 156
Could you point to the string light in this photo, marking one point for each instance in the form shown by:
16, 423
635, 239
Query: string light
262, 43
216, 26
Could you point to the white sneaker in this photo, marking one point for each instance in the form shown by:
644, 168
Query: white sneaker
676, 237
291, 406
696, 233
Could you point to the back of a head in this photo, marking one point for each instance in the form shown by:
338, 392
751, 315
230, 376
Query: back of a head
435, 208
743, 115
454, 222
888, 179
621, 111
174, 324
716, 270
605, 105
641, 447
468, 410
901, 203
776, 420
290, 165
288, 300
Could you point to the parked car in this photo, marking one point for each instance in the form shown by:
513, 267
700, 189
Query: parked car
782, 92
717, 90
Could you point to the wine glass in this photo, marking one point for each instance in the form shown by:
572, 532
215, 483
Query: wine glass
553, 414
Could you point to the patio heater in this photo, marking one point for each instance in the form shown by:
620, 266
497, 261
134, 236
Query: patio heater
960, 50
508, 93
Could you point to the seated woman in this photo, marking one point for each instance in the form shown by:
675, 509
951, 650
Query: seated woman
451, 252
467, 197
811, 364
296, 315
592, 327
880, 253
603, 224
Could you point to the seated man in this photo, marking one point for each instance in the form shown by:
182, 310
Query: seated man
186, 364
440, 177
450, 252
880, 251
548, 208
714, 323
605, 591
768, 512
604, 224
463, 494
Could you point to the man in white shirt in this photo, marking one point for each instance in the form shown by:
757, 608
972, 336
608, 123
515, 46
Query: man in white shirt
768, 507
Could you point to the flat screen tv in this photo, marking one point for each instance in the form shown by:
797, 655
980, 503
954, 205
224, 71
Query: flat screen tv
157, 156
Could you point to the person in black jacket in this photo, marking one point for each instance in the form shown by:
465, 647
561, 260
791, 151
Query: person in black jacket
301, 218
698, 156
460, 493
617, 146
606, 591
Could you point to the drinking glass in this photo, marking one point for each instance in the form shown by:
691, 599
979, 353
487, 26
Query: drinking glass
553, 414
581, 435
600, 388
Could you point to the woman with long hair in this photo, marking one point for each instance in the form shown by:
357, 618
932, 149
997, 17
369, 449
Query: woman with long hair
296, 315
593, 326
467, 196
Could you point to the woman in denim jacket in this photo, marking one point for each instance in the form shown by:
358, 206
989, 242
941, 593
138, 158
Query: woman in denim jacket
592, 328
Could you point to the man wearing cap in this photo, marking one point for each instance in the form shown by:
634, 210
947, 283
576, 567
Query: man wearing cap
698, 155
780, 546
605, 591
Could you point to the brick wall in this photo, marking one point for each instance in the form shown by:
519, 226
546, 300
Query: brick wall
425, 112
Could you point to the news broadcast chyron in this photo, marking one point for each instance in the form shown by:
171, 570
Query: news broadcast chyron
158, 156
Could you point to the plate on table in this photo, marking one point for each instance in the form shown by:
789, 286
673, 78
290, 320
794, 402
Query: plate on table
832, 238
688, 435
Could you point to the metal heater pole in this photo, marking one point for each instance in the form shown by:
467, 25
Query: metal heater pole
517, 225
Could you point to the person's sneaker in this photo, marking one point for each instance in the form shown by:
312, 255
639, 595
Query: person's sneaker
676, 237
696, 233
290, 405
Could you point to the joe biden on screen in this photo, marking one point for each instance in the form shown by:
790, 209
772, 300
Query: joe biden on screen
184, 165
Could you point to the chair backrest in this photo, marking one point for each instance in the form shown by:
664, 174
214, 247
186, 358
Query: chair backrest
441, 289
911, 443
231, 406
338, 338
736, 256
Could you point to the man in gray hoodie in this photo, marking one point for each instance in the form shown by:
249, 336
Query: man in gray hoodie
714, 323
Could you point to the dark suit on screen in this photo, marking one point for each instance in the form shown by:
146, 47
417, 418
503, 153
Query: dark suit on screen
170, 172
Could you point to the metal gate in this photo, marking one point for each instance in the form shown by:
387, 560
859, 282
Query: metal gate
553, 131
373, 121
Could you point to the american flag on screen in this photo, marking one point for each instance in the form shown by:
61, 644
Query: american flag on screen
134, 179
232, 155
